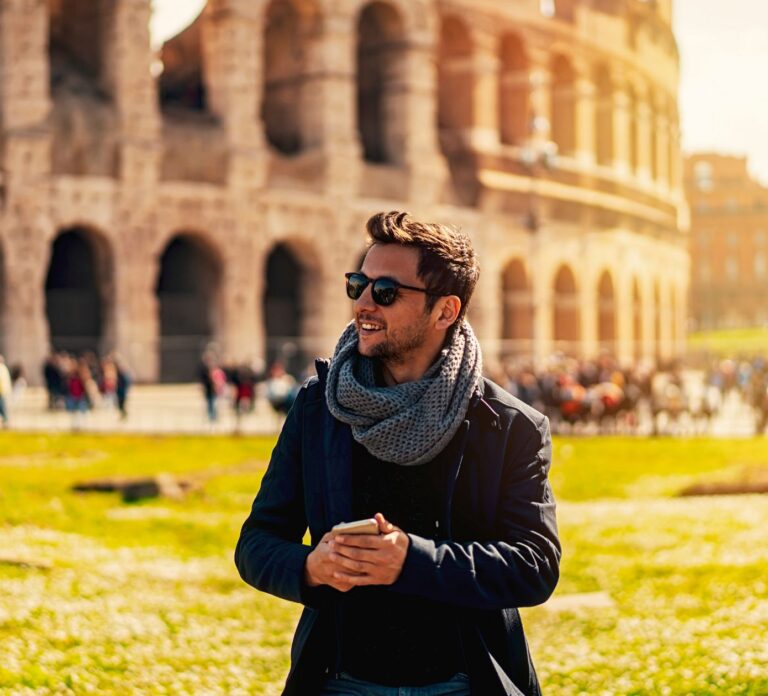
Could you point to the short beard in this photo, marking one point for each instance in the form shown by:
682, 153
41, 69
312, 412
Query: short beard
395, 351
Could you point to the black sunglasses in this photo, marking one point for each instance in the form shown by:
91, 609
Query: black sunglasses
383, 290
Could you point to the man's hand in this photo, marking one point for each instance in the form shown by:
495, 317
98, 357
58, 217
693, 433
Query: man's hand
320, 567
369, 559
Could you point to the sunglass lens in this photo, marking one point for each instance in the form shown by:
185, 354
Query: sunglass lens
384, 291
356, 284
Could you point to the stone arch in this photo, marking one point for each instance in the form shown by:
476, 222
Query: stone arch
292, 273
290, 35
566, 319
381, 67
603, 115
454, 77
517, 310
637, 321
189, 301
563, 105
632, 120
79, 291
514, 108
606, 314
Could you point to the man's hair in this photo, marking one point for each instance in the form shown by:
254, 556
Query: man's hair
447, 261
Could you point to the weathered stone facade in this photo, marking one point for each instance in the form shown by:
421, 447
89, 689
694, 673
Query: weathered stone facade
224, 198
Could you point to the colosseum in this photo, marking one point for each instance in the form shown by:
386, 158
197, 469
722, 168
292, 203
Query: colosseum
215, 191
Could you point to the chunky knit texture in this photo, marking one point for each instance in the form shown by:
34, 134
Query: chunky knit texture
409, 423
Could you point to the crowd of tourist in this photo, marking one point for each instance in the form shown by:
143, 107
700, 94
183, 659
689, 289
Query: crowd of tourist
80, 383
577, 395
601, 396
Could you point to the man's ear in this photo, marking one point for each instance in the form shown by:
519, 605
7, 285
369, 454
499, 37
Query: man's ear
448, 311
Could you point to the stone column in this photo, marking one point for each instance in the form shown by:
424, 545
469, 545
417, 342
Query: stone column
233, 50
621, 128
585, 112
625, 350
418, 125
485, 310
128, 78
543, 316
25, 165
662, 150
240, 314
485, 67
329, 108
541, 92
644, 138
136, 268
588, 298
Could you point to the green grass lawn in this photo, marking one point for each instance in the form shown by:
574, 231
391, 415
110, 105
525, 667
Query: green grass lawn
730, 342
659, 594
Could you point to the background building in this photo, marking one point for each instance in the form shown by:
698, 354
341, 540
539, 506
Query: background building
729, 243
220, 194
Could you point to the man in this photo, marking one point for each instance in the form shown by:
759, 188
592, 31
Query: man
401, 426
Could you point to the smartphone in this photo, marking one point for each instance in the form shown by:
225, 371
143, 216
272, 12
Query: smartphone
369, 526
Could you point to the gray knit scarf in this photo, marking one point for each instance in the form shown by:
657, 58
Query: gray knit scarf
407, 423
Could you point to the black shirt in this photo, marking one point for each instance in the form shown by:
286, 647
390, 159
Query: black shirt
387, 637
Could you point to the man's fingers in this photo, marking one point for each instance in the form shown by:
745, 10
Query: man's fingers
359, 566
361, 541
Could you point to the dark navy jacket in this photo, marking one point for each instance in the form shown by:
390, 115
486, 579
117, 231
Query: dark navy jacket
501, 549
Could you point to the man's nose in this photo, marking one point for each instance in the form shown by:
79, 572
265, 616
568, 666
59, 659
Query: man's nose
365, 301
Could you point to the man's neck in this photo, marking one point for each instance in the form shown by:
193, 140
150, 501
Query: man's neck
410, 369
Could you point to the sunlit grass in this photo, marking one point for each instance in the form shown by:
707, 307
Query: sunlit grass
144, 598
730, 342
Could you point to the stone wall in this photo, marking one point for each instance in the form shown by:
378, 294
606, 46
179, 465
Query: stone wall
553, 141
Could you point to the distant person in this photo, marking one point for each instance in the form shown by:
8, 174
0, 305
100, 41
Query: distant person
401, 427
6, 391
281, 388
54, 381
213, 381
124, 382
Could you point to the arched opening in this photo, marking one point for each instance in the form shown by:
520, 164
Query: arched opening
79, 292
188, 294
514, 116
381, 83
603, 116
637, 321
567, 324
181, 84
606, 314
290, 27
76, 30
517, 311
634, 153
563, 116
454, 81
285, 303
82, 121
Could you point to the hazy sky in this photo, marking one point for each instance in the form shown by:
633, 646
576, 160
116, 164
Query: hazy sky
724, 85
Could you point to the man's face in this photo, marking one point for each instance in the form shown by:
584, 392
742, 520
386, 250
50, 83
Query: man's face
397, 332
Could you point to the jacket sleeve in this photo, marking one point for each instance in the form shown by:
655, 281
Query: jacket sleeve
519, 568
270, 555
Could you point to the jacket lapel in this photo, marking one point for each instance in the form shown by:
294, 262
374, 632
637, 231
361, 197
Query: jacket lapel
337, 469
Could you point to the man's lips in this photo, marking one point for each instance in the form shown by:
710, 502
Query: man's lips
365, 326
